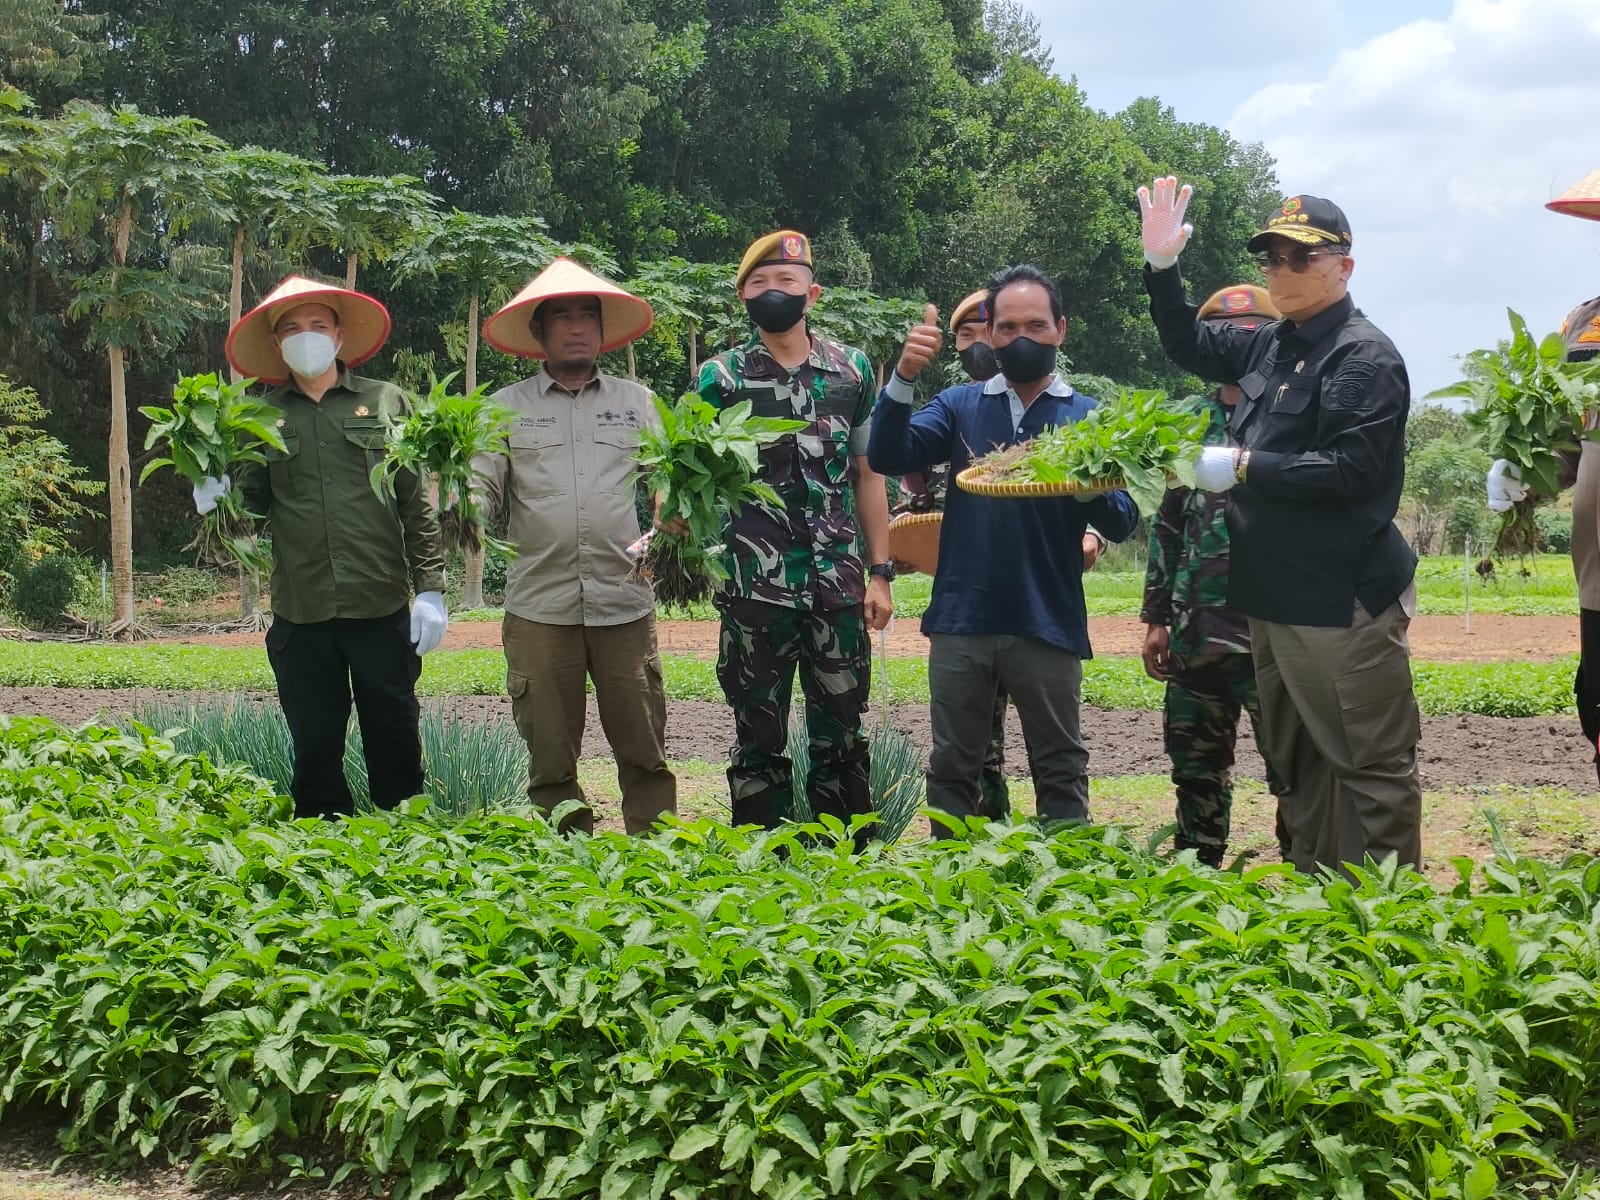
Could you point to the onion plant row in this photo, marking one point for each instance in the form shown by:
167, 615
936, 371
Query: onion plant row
482, 1008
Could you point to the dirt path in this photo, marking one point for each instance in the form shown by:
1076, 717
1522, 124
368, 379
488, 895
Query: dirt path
1437, 639
1457, 751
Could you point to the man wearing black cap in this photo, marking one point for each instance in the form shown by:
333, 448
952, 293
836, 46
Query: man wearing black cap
1317, 563
1580, 334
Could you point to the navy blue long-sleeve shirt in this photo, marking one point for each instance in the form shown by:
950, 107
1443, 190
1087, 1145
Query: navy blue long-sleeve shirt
1006, 567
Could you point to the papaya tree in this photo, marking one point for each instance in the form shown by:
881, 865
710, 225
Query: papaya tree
373, 216
120, 183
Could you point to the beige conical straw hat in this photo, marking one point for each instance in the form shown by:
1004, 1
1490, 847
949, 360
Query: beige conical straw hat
250, 347
623, 316
1582, 199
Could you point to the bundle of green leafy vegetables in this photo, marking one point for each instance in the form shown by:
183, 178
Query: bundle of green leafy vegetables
438, 439
700, 465
1528, 406
1138, 440
213, 428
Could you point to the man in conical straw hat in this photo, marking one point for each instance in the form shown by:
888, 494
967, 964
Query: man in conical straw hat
574, 605
345, 561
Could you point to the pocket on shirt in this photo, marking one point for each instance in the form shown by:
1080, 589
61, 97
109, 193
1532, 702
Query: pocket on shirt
279, 470
368, 433
617, 467
541, 463
1291, 399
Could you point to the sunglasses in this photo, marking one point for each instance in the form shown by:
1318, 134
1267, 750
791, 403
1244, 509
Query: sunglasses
1298, 261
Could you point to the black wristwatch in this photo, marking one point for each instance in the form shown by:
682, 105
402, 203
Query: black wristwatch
883, 570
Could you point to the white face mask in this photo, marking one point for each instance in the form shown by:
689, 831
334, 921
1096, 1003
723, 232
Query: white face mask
309, 354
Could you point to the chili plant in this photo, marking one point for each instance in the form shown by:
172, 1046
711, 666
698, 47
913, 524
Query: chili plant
1138, 440
1528, 403
701, 465
213, 428
438, 439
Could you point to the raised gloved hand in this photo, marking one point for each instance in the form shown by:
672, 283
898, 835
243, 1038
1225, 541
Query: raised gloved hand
1216, 470
208, 492
428, 622
1504, 485
1161, 227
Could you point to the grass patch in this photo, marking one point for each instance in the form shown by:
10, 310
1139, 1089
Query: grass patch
1501, 689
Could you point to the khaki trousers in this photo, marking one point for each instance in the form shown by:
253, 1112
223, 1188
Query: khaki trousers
546, 666
1340, 729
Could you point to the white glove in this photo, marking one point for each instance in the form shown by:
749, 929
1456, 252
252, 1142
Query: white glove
428, 622
1215, 472
208, 492
1504, 485
1161, 226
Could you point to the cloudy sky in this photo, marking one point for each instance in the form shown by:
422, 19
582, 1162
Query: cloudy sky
1440, 126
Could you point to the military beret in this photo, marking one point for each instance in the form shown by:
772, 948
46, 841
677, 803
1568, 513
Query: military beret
784, 245
974, 308
1243, 304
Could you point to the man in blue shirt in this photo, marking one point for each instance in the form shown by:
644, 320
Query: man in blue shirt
1007, 608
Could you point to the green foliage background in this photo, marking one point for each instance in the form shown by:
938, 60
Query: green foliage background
922, 143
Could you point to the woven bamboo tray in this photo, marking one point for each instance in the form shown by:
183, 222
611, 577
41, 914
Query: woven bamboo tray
970, 481
914, 541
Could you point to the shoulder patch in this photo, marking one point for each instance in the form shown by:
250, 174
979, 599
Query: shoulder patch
1351, 386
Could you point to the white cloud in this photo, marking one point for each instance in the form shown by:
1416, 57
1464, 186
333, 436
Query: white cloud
1442, 139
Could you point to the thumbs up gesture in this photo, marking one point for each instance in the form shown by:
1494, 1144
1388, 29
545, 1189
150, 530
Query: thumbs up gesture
922, 344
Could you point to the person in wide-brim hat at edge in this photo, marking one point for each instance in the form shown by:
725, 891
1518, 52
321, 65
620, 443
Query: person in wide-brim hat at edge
346, 562
576, 608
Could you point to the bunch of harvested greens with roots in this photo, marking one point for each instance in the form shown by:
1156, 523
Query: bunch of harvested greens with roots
700, 465
1528, 404
1137, 440
438, 440
212, 429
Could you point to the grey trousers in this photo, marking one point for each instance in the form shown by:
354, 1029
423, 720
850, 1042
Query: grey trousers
1340, 729
1044, 683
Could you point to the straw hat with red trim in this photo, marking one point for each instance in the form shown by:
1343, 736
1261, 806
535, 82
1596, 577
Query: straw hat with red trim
623, 316
252, 350
1582, 199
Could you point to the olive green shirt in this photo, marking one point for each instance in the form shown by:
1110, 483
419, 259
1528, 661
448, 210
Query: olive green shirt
339, 549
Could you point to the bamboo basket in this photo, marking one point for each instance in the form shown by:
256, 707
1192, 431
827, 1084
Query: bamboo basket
970, 480
914, 541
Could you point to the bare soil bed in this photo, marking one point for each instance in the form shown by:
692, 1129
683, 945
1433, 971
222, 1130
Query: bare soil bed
1457, 751
1438, 639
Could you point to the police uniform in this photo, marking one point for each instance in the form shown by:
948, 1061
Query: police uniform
1317, 563
345, 560
793, 598
1212, 678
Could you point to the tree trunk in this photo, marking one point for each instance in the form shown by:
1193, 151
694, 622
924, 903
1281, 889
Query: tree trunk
350, 271
119, 482
249, 596
633, 364
694, 354
236, 291
472, 583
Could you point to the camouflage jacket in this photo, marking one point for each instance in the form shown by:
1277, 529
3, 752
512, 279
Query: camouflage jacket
1186, 581
805, 555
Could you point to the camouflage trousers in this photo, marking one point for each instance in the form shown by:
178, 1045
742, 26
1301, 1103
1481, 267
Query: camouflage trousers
993, 793
762, 647
1200, 724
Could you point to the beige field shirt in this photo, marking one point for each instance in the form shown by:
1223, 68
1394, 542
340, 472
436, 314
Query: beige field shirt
568, 477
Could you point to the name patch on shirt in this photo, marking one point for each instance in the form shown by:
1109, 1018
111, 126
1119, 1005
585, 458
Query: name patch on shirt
548, 421
608, 419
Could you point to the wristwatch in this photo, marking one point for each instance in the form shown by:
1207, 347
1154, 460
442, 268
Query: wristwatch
883, 570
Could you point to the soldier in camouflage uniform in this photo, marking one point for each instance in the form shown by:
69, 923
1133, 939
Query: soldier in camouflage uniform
798, 596
1194, 643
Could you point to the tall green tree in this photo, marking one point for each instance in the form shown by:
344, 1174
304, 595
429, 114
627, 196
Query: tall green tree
44, 43
373, 217
120, 183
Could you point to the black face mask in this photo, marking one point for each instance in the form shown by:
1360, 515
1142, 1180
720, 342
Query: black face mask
979, 362
1025, 360
775, 311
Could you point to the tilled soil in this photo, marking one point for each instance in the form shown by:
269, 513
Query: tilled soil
1436, 639
1461, 751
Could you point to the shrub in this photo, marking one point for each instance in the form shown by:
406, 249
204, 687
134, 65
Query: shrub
42, 591
1555, 529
